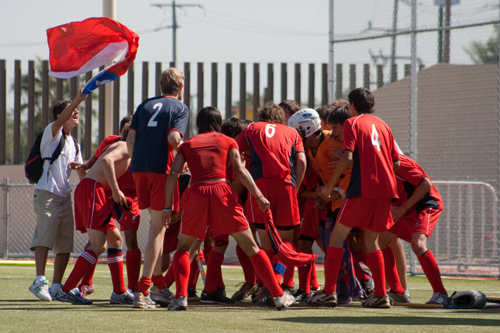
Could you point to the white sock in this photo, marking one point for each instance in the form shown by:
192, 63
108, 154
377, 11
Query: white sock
39, 278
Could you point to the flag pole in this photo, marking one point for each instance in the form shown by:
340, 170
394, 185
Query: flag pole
108, 10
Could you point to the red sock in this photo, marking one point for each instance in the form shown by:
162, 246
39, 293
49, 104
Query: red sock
391, 272
214, 272
158, 281
89, 275
194, 272
375, 261
263, 268
133, 263
207, 249
272, 259
332, 266
246, 265
431, 270
144, 284
181, 271
169, 277
86, 262
305, 276
115, 264
314, 276
358, 270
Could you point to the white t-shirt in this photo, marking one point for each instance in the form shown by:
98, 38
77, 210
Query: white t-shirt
55, 177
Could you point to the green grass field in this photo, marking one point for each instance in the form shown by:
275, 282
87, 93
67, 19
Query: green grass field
21, 311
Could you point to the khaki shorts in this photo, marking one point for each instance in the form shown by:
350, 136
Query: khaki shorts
55, 224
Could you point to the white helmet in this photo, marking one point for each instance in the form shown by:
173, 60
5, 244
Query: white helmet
306, 122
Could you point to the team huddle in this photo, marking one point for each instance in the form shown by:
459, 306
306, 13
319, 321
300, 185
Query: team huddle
332, 176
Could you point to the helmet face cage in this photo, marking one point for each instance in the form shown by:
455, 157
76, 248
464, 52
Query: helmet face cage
306, 122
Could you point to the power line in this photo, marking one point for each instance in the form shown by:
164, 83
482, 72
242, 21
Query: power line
174, 23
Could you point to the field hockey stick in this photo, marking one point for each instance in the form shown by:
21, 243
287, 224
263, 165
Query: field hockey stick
200, 267
419, 305
493, 300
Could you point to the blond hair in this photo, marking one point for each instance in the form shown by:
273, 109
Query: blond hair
171, 80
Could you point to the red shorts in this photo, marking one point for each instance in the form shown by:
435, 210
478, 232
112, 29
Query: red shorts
93, 207
171, 238
283, 199
422, 223
211, 205
364, 213
150, 188
310, 220
132, 217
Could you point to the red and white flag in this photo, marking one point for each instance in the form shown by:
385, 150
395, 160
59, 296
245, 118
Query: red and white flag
79, 47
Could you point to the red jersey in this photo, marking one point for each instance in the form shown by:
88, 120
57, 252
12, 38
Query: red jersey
207, 155
273, 148
409, 176
105, 144
374, 151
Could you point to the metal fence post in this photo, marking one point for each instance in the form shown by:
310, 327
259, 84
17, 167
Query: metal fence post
5, 220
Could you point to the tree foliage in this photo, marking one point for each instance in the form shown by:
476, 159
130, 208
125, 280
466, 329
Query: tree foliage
486, 53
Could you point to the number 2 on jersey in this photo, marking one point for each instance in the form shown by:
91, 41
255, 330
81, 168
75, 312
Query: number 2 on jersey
152, 122
375, 139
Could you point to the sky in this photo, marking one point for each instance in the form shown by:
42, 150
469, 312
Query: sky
258, 31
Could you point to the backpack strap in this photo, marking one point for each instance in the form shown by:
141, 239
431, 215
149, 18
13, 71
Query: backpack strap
58, 150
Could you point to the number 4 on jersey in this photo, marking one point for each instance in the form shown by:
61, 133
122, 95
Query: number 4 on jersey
375, 139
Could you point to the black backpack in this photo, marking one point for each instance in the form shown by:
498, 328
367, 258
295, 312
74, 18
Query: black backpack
33, 168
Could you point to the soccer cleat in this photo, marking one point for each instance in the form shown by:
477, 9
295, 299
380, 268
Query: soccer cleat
192, 295
73, 296
258, 295
282, 302
321, 298
41, 290
215, 297
55, 289
86, 289
377, 302
143, 302
178, 304
162, 297
291, 290
126, 298
245, 290
401, 298
438, 298
368, 287
301, 296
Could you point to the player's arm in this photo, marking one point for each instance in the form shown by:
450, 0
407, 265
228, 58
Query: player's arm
114, 154
246, 179
300, 168
131, 142
67, 113
422, 189
343, 164
396, 165
176, 168
174, 139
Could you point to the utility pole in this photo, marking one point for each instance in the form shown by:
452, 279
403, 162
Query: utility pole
174, 25
446, 44
393, 48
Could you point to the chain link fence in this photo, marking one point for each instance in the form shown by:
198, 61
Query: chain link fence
433, 68
465, 241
